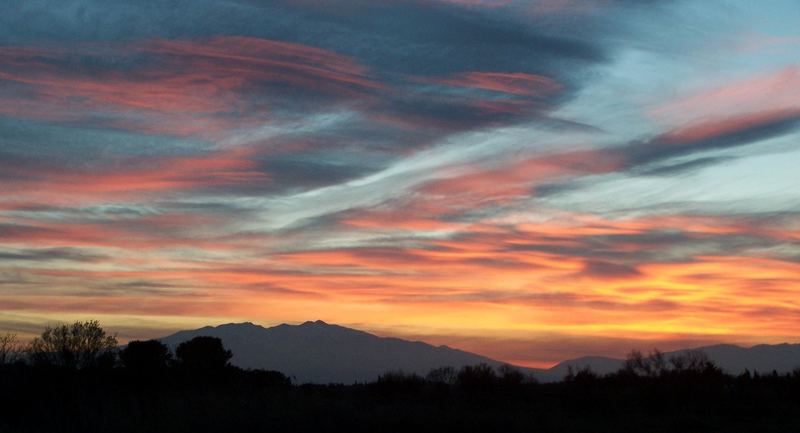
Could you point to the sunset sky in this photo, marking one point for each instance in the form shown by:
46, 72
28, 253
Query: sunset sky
529, 180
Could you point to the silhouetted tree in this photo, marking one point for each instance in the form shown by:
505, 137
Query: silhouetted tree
9, 348
655, 364
512, 376
394, 383
481, 378
268, 378
79, 345
658, 363
693, 361
445, 375
205, 353
652, 365
580, 375
399, 377
145, 355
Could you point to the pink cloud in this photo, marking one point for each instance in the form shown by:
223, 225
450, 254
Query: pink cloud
513, 83
730, 125
142, 178
477, 186
772, 92
180, 86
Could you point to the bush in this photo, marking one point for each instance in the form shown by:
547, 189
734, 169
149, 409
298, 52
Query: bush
145, 355
203, 353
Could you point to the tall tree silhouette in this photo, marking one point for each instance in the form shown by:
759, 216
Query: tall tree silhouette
203, 353
9, 348
80, 345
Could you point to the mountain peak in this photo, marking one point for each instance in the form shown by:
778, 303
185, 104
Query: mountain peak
242, 325
314, 323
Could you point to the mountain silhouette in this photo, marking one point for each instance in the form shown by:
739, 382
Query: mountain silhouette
317, 352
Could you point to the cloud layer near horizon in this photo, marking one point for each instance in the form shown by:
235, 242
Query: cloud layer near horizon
531, 180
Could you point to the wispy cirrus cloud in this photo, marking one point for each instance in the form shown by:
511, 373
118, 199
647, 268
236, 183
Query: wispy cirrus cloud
180, 78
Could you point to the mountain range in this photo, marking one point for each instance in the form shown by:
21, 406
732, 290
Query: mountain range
321, 353
317, 352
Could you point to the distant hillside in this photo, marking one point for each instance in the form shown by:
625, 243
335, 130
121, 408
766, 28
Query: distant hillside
321, 353
763, 358
598, 364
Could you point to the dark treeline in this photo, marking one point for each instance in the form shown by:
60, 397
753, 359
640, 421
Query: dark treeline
74, 379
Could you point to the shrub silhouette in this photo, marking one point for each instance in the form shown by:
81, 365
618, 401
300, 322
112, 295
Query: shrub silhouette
512, 376
203, 353
583, 374
693, 361
394, 383
79, 345
442, 375
655, 364
145, 355
479, 378
399, 377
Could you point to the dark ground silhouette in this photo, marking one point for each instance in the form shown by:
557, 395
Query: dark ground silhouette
147, 390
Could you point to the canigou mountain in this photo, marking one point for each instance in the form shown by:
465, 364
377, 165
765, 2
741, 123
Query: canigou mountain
319, 352
323, 353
